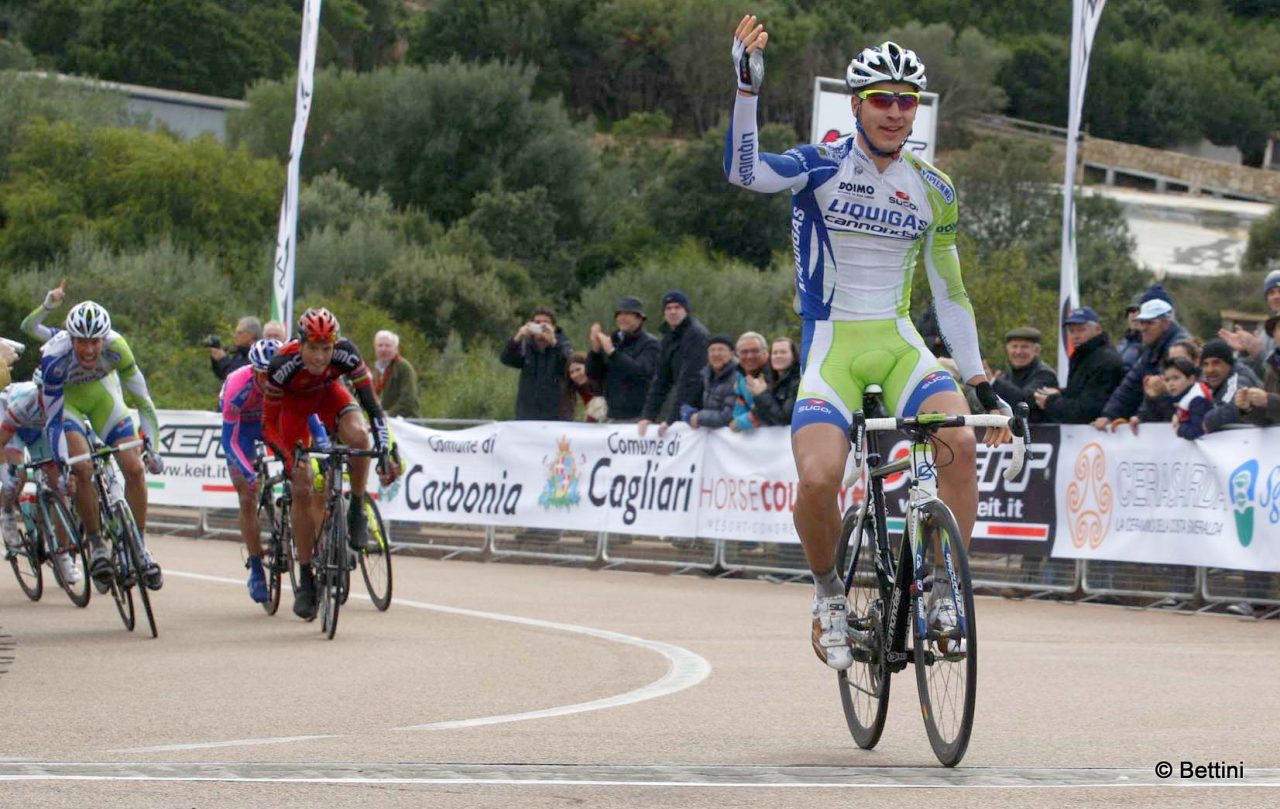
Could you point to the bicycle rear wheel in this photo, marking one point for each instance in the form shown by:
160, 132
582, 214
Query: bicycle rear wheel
272, 566
25, 561
864, 686
947, 661
61, 522
375, 562
133, 539
330, 576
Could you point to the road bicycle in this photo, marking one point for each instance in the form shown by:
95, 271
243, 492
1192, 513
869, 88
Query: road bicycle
128, 557
333, 559
50, 532
898, 594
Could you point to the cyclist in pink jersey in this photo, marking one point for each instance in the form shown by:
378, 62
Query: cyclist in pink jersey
241, 406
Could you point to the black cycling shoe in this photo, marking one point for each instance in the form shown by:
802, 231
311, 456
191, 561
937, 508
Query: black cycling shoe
304, 601
358, 538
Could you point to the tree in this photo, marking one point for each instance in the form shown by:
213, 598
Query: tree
129, 188
1263, 251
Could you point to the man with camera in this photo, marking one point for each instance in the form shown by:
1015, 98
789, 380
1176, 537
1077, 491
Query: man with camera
541, 351
248, 331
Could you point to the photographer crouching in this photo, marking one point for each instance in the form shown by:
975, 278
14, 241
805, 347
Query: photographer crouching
223, 362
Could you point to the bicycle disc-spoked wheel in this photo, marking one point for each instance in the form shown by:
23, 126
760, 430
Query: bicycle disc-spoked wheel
133, 542
273, 556
947, 665
330, 575
375, 560
864, 686
59, 520
26, 561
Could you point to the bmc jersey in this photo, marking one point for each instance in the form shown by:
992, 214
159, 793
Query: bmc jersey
290, 386
856, 232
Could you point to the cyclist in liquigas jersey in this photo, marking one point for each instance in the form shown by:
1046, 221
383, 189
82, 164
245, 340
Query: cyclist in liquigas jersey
305, 378
862, 211
83, 367
22, 434
241, 406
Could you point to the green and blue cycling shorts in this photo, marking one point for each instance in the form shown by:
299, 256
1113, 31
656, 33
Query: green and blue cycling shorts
840, 358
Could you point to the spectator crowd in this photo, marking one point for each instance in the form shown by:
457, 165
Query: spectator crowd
1156, 372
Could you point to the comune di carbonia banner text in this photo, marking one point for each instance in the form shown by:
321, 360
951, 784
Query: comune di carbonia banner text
1082, 494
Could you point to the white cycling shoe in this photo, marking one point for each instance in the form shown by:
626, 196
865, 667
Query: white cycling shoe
67, 567
944, 619
830, 635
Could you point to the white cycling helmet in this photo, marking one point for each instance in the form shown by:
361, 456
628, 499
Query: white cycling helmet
885, 62
88, 319
261, 352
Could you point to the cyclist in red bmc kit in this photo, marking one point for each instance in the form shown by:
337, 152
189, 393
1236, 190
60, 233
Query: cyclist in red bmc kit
305, 378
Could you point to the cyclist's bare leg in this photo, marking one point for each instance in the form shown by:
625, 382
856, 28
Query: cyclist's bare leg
248, 495
308, 508
820, 452
135, 483
86, 497
353, 432
53, 476
957, 473
11, 456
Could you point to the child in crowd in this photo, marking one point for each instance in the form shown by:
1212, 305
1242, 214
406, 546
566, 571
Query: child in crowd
1192, 398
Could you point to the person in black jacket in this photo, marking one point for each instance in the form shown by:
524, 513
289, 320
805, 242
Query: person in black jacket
1096, 370
541, 350
1160, 330
222, 362
1027, 372
624, 362
721, 381
1224, 375
681, 357
774, 405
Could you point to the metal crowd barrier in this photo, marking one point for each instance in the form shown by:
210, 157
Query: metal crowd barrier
1173, 585
675, 553
1244, 592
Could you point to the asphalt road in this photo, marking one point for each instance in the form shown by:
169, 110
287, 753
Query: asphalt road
498, 684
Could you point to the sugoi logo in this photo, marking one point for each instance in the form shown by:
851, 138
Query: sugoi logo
1089, 498
902, 199
1243, 489
561, 490
814, 406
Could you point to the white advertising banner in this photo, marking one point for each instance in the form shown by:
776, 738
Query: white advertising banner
195, 467
1153, 497
550, 475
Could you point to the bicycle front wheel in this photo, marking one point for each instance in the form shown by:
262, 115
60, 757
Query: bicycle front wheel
332, 571
123, 579
65, 528
25, 561
864, 686
133, 541
273, 561
375, 558
946, 658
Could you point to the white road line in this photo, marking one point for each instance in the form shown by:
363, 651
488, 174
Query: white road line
684, 670
663, 776
170, 748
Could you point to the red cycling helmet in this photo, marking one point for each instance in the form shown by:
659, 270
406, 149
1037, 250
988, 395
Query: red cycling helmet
318, 326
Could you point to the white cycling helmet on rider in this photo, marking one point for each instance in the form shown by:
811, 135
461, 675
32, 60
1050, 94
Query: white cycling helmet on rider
89, 320
261, 353
885, 62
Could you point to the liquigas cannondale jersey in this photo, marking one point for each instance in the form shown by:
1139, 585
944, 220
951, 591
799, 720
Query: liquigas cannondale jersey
857, 232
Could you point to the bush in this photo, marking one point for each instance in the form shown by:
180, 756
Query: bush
25, 97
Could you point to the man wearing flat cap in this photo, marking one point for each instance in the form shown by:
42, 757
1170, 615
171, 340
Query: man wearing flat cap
1095, 371
1027, 372
623, 363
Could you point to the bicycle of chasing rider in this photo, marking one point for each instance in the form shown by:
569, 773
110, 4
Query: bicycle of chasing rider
127, 551
275, 501
920, 591
334, 560
50, 532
